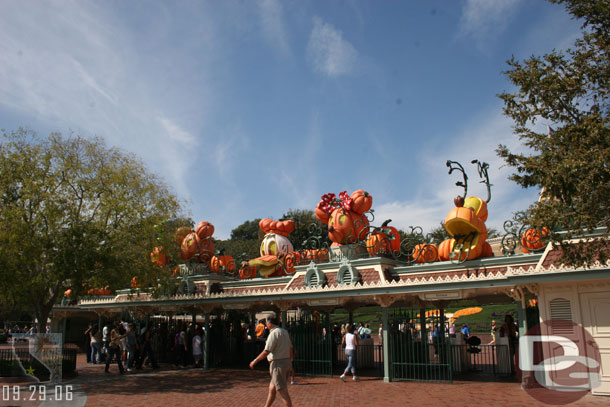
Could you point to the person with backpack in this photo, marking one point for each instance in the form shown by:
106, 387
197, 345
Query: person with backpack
114, 349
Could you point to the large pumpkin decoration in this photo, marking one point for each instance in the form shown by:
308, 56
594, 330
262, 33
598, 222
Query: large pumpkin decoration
344, 227
468, 230
220, 263
385, 241
192, 245
204, 230
275, 244
533, 239
345, 219
274, 247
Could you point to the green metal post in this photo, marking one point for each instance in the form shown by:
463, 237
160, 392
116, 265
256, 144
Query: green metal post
284, 317
522, 324
206, 341
386, 345
351, 318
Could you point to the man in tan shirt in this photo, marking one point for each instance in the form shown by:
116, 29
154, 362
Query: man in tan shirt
279, 352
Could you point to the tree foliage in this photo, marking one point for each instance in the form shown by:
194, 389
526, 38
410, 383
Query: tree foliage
73, 214
568, 91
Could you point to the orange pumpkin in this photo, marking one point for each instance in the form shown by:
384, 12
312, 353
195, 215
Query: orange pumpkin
321, 215
487, 250
247, 271
534, 240
68, 292
315, 255
444, 249
386, 241
291, 260
284, 227
425, 253
206, 250
220, 263
181, 233
344, 227
157, 256
190, 245
204, 230
468, 231
362, 201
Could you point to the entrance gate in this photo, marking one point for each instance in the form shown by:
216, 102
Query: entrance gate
313, 345
419, 349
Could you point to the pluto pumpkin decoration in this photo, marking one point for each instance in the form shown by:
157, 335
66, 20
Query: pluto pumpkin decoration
466, 222
345, 216
274, 247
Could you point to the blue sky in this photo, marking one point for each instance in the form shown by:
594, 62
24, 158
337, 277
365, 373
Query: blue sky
249, 108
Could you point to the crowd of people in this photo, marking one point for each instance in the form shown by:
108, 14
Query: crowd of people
16, 332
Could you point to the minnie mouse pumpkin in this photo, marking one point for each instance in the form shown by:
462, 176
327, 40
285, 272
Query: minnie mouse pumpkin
345, 216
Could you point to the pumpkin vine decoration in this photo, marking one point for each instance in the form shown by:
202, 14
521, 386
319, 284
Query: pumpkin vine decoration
482, 168
459, 200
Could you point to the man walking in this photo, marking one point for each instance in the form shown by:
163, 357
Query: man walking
279, 352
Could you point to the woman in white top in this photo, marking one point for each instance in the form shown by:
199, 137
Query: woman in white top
350, 341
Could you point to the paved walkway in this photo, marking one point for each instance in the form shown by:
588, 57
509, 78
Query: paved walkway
241, 388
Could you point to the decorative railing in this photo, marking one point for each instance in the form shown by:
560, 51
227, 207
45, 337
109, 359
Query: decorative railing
519, 234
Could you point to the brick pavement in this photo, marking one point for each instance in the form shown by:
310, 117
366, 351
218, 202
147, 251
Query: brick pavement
240, 388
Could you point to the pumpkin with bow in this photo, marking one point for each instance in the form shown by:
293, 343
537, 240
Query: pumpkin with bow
344, 216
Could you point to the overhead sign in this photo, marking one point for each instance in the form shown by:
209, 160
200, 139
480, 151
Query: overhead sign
322, 302
442, 295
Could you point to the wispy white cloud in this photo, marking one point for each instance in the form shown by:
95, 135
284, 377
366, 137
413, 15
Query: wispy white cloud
328, 52
273, 25
60, 63
484, 19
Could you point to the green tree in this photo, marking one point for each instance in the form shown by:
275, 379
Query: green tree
74, 214
568, 91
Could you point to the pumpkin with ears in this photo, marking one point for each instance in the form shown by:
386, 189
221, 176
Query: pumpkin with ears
204, 230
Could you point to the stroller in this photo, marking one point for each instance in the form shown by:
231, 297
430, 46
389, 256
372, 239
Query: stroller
473, 343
